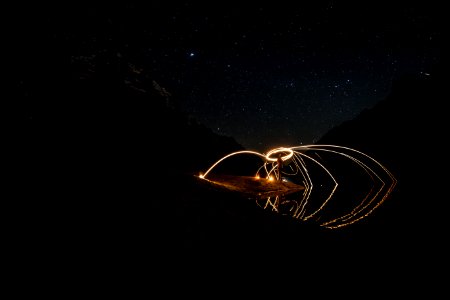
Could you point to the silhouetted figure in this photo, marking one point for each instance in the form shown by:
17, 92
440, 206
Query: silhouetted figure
279, 166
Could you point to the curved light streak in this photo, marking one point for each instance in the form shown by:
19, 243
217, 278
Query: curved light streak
279, 150
229, 155
298, 164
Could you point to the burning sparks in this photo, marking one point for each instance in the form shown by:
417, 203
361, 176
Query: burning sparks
309, 165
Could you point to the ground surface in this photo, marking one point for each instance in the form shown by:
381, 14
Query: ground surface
253, 186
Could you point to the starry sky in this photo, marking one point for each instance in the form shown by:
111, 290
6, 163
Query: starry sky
273, 74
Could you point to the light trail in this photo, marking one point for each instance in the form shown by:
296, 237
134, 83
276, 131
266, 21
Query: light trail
227, 156
314, 200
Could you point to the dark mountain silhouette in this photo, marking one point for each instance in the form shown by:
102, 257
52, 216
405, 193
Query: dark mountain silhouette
115, 160
404, 133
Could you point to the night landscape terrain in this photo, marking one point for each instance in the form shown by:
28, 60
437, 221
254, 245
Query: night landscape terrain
115, 145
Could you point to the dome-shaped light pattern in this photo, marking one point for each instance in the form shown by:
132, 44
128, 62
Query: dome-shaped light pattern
302, 164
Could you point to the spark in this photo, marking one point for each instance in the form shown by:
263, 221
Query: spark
302, 168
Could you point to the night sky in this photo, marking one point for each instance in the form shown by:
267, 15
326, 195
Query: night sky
270, 74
